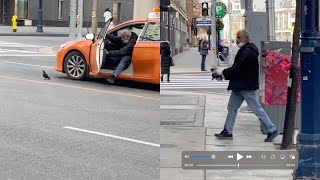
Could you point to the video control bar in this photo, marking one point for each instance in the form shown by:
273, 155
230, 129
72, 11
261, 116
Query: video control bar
239, 159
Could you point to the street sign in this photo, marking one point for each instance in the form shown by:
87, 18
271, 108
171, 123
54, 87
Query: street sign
203, 21
221, 9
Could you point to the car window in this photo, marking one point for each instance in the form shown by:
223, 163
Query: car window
103, 31
152, 33
136, 28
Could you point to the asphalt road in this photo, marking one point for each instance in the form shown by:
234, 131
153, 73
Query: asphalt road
65, 129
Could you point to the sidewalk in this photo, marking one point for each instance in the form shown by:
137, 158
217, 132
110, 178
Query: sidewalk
190, 61
188, 123
31, 31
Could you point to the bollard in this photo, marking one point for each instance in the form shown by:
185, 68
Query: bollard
14, 23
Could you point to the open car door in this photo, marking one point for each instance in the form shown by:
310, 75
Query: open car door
96, 51
108, 67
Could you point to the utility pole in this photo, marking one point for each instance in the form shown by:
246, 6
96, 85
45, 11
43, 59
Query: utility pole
213, 32
94, 25
80, 18
72, 21
308, 145
248, 10
230, 11
288, 129
270, 20
39, 27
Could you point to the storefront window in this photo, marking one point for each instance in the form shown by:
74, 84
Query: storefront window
22, 9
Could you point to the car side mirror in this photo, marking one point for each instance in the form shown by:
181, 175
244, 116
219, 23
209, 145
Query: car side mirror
90, 37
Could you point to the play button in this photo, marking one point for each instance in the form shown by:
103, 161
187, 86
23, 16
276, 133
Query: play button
239, 156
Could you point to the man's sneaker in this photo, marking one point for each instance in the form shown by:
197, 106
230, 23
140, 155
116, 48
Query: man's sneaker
224, 135
272, 136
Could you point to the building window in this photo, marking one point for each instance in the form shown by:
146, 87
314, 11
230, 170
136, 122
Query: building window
117, 12
22, 9
60, 8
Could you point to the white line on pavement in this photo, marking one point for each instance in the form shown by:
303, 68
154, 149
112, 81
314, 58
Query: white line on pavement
112, 136
28, 64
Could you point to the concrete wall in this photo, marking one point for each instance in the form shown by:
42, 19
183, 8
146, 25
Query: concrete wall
50, 11
143, 7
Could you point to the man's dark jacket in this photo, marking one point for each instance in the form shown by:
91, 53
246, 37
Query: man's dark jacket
165, 57
126, 49
244, 73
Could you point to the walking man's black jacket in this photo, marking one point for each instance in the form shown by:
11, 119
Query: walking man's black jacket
244, 73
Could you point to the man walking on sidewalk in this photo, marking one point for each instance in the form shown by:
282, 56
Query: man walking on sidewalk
244, 81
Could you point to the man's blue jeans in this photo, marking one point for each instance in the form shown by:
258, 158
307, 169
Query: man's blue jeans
203, 62
123, 62
251, 97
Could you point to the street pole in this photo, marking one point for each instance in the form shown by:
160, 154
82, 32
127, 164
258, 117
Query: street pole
270, 20
308, 145
213, 32
72, 21
230, 11
94, 25
39, 27
80, 18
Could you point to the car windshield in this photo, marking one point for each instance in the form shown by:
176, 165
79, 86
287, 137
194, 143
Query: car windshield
103, 31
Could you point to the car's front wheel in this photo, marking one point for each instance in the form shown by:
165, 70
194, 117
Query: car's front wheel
75, 66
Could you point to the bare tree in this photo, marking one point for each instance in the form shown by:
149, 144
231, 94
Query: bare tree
288, 132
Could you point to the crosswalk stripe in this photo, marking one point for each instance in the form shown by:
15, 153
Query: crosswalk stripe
20, 45
15, 50
12, 49
195, 81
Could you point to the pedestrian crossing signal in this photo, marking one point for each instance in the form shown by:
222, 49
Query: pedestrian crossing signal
205, 9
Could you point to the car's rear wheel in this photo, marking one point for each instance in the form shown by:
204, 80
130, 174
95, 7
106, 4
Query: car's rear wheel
75, 66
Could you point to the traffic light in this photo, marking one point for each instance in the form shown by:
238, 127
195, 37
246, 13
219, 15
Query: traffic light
205, 9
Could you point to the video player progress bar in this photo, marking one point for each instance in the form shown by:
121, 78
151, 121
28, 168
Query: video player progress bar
211, 165
226, 165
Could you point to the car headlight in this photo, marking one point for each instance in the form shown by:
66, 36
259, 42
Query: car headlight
63, 45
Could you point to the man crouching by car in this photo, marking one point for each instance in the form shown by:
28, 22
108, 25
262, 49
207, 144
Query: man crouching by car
122, 56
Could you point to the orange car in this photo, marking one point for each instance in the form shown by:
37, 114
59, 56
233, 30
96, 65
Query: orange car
85, 58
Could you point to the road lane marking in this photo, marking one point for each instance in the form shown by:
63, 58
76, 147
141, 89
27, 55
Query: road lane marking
82, 88
113, 136
28, 64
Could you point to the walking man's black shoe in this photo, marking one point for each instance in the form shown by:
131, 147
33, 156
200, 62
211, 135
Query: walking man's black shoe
272, 136
224, 135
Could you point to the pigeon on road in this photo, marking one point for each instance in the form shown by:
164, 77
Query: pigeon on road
45, 75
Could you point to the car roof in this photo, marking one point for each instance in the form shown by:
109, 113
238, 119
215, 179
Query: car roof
139, 20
